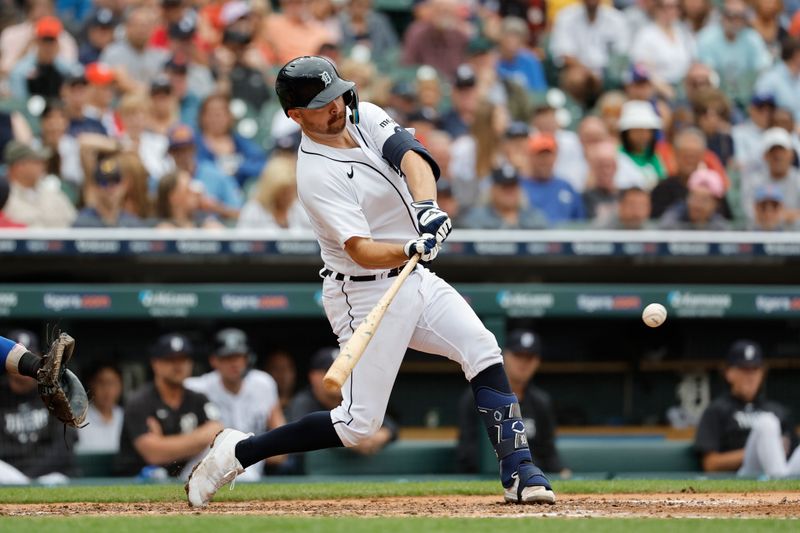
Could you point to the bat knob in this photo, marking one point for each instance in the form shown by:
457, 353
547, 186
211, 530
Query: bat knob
333, 381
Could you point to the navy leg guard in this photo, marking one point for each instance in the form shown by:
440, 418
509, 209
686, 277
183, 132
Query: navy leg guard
501, 414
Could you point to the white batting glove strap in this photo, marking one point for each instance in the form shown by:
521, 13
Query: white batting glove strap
432, 219
425, 245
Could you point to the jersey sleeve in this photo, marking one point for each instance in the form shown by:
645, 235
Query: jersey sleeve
709, 432
330, 204
392, 139
135, 420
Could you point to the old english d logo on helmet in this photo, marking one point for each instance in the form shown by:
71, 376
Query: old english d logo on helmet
326, 78
312, 82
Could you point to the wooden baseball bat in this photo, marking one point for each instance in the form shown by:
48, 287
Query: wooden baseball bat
354, 348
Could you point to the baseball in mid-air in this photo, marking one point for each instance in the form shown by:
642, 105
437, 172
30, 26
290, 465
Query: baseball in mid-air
654, 315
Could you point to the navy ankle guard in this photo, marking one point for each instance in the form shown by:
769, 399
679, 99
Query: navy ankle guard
501, 415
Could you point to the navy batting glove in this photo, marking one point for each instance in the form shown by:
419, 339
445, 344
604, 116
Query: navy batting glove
425, 245
432, 219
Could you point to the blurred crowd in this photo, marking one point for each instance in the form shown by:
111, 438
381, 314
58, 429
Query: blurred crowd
673, 114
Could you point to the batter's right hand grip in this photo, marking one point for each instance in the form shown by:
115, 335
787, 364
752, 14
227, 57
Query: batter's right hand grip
354, 348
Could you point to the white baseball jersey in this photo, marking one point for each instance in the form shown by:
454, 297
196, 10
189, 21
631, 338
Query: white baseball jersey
247, 411
355, 192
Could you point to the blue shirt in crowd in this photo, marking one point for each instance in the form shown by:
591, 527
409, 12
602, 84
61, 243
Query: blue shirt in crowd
556, 198
525, 69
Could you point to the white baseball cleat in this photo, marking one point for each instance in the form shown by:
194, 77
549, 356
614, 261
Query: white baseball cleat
217, 468
535, 494
537, 487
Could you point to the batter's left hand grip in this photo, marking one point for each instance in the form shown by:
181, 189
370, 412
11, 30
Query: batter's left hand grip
353, 349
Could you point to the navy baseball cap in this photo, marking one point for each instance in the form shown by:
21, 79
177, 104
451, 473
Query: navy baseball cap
465, 77
323, 358
745, 354
505, 175
26, 338
185, 28
524, 342
759, 100
231, 341
172, 345
107, 172
636, 74
404, 89
103, 18
424, 114
180, 136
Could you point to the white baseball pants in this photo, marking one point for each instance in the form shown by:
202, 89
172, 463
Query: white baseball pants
764, 453
427, 314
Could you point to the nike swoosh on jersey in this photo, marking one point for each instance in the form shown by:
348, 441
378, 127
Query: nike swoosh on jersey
350, 174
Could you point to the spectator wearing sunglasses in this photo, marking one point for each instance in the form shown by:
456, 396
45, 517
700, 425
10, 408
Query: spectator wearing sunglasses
111, 189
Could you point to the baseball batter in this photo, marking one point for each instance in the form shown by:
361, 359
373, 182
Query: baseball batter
369, 188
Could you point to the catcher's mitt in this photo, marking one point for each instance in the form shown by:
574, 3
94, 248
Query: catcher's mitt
60, 389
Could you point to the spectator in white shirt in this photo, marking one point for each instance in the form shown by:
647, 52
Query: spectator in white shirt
747, 135
778, 153
665, 47
104, 416
587, 33
585, 38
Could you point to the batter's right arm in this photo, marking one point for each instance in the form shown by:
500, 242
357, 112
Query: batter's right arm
378, 255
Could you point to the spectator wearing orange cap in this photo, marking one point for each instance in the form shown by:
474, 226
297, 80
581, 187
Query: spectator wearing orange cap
700, 210
42, 71
19, 39
553, 196
100, 95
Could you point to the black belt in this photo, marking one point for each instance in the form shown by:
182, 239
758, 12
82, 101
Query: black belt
325, 272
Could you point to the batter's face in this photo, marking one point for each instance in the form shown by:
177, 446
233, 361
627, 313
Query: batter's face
326, 121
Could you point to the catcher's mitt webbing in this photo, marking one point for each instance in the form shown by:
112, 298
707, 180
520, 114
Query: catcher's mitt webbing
61, 391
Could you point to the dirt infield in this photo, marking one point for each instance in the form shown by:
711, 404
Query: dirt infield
688, 505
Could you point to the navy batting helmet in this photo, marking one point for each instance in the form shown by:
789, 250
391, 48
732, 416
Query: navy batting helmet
311, 82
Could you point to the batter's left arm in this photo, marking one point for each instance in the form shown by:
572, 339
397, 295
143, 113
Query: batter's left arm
419, 177
422, 184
